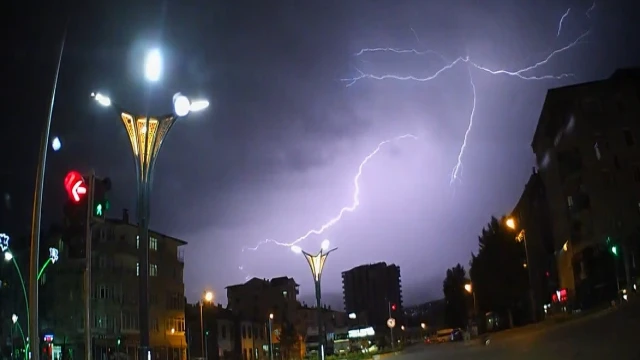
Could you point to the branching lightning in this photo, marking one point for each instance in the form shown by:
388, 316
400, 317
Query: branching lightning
523, 73
457, 169
561, 21
347, 209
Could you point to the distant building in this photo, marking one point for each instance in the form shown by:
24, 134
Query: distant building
258, 298
587, 146
114, 293
372, 291
431, 314
307, 318
531, 214
226, 336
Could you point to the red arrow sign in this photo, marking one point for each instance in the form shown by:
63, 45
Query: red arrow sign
75, 186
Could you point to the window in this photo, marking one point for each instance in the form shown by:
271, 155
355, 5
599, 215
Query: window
636, 173
607, 178
103, 292
154, 325
244, 332
596, 147
570, 201
628, 137
153, 243
128, 321
177, 324
153, 269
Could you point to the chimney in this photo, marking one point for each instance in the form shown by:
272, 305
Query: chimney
125, 216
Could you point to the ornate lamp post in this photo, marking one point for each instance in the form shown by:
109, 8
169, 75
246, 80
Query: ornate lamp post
316, 263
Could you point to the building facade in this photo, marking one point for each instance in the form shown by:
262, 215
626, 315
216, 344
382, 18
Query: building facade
587, 146
373, 292
258, 298
531, 214
114, 293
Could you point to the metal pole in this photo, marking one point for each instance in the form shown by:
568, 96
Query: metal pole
206, 348
143, 272
34, 331
321, 335
531, 296
201, 331
391, 328
87, 271
12, 347
270, 340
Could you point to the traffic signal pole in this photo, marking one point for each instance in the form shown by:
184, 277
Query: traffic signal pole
87, 271
391, 327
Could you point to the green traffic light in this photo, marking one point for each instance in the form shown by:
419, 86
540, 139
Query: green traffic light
614, 250
99, 210
118, 342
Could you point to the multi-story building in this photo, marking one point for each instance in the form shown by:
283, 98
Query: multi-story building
531, 215
307, 318
114, 293
587, 145
258, 298
374, 292
226, 335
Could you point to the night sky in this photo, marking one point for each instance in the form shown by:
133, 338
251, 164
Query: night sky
276, 153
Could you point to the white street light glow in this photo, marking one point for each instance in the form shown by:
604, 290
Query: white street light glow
153, 65
101, 99
181, 105
199, 105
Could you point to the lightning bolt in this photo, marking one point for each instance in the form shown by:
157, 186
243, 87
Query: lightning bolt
347, 209
457, 169
561, 21
589, 10
523, 73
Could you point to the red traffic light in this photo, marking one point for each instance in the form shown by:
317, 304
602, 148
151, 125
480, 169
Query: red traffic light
393, 307
75, 186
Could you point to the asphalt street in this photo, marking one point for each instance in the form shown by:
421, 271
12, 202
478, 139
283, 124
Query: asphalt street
611, 334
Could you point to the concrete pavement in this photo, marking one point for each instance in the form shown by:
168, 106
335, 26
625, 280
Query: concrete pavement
610, 335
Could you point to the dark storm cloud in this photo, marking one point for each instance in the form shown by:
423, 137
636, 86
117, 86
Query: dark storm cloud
276, 153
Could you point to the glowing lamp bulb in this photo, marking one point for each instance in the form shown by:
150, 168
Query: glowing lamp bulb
198, 105
8, 256
296, 249
181, 105
14, 318
56, 144
325, 244
153, 65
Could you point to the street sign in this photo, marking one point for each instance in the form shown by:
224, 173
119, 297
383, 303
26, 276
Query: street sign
391, 323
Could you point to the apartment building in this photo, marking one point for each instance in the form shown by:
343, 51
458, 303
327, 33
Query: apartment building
587, 146
373, 291
114, 293
258, 298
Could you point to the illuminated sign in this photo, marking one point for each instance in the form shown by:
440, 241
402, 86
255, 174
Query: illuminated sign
360, 333
48, 338
559, 296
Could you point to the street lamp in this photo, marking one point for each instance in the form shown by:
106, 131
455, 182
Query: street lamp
25, 341
316, 263
469, 288
208, 297
522, 237
146, 134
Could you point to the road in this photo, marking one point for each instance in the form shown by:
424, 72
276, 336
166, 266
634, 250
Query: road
611, 335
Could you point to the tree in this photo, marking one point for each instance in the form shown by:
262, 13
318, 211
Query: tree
498, 271
456, 310
289, 341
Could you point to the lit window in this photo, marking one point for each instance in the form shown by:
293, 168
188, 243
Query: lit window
570, 201
597, 149
153, 270
137, 269
153, 244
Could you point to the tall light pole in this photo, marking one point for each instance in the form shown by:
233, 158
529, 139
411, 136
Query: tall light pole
208, 297
34, 330
316, 263
146, 134
469, 288
271, 336
522, 237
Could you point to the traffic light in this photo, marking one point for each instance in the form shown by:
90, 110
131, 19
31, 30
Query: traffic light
100, 200
393, 307
206, 333
613, 248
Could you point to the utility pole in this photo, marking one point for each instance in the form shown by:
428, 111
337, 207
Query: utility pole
87, 271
